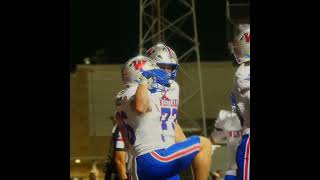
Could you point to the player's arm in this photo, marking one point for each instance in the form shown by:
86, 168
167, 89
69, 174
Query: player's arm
140, 102
122, 131
120, 161
120, 154
180, 136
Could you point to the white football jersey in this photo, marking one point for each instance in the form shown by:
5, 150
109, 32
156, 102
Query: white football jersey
168, 102
228, 126
144, 131
242, 92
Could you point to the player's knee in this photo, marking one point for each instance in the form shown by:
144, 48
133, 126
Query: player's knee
205, 143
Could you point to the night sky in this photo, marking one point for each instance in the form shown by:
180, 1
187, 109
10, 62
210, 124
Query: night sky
114, 25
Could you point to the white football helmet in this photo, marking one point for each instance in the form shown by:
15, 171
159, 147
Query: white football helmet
130, 72
163, 54
241, 47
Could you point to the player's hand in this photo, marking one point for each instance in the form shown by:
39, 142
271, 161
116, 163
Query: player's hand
152, 73
158, 75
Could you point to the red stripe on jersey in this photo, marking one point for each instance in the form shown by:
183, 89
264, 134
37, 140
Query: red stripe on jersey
177, 154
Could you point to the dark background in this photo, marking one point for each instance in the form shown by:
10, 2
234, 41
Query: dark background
114, 27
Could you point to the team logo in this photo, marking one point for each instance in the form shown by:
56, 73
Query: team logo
139, 64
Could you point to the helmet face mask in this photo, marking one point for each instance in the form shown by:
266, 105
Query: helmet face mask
171, 69
241, 47
164, 56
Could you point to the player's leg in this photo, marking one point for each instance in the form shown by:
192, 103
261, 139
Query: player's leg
166, 163
202, 162
175, 177
230, 177
243, 158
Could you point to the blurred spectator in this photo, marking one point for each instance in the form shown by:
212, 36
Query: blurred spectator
94, 172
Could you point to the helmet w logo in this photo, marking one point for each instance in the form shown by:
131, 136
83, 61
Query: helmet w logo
139, 64
247, 36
